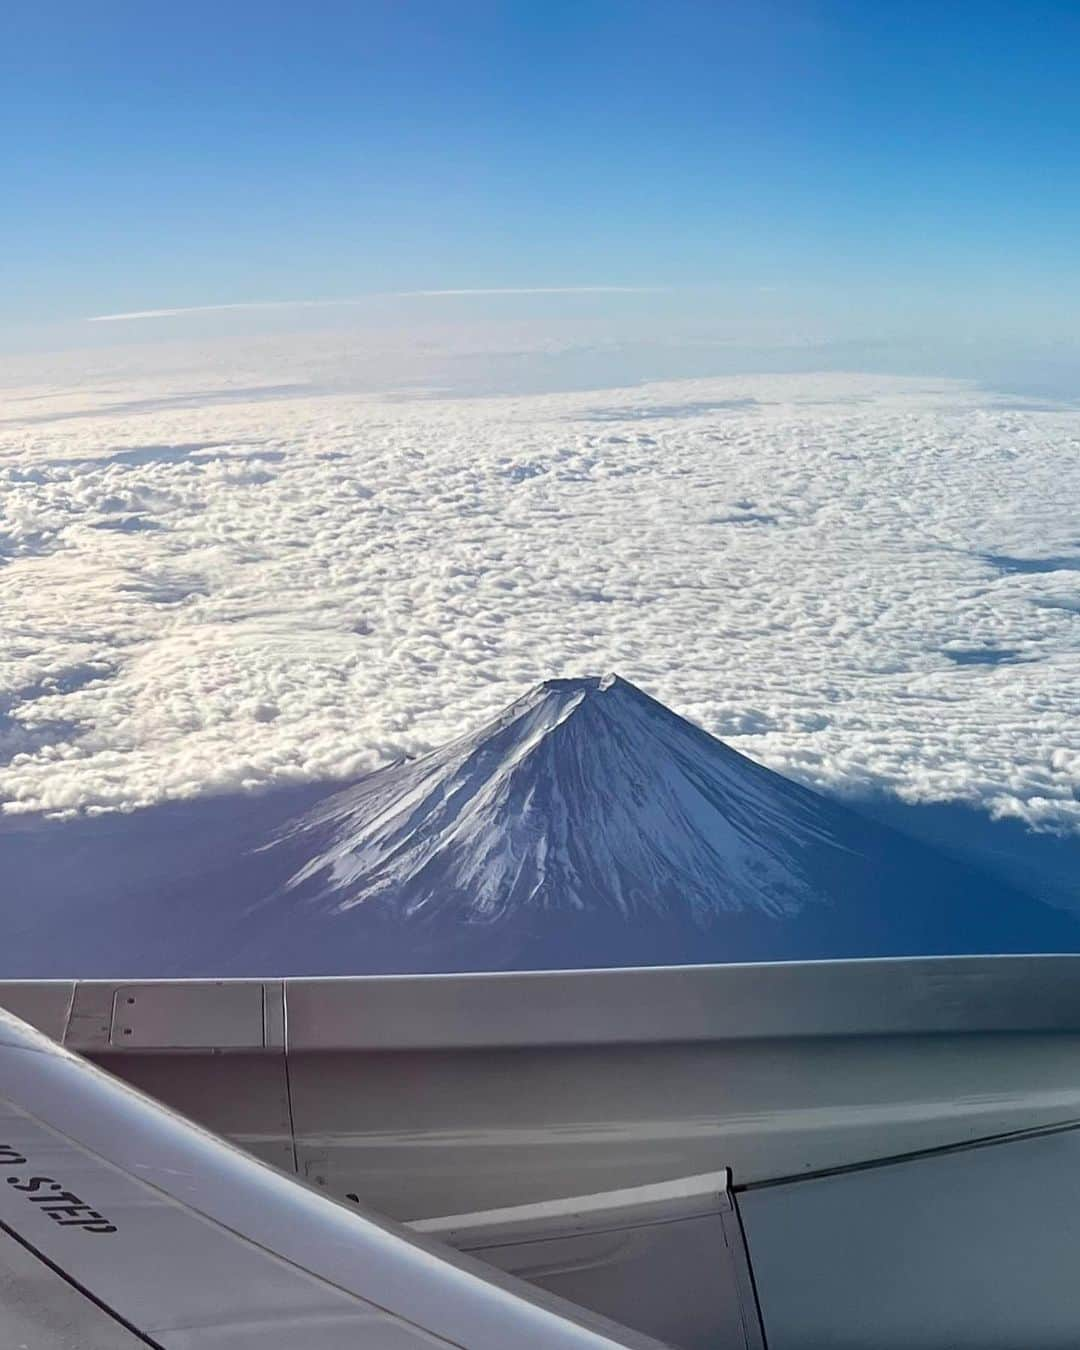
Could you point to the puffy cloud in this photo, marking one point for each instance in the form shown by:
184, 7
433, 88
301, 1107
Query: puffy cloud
865, 582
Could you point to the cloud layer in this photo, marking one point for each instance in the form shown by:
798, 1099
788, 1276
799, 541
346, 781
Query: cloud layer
864, 582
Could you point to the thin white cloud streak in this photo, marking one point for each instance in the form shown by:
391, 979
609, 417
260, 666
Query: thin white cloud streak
375, 295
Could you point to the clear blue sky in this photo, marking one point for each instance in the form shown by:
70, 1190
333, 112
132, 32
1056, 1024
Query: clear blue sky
873, 153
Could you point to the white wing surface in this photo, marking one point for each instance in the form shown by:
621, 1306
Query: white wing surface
126, 1225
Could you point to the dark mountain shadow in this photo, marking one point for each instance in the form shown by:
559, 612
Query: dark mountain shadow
645, 412
1041, 863
1032, 566
984, 656
201, 398
149, 893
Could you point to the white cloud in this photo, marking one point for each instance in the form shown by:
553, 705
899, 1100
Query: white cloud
365, 299
827, 570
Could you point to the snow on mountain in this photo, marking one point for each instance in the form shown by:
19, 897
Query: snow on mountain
583, 794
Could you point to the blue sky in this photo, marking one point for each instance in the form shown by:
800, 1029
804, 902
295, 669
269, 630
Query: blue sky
876, 168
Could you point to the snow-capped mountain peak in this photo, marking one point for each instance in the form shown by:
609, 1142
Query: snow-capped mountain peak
584, 794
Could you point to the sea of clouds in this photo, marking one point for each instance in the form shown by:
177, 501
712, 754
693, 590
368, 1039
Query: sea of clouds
866, 582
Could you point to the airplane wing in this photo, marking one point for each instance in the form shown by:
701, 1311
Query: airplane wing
125, 1225
879, 1153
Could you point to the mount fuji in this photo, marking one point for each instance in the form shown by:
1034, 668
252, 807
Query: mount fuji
588, 825
585, 826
